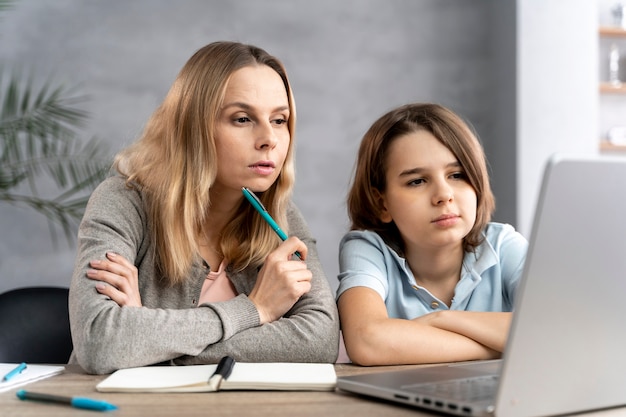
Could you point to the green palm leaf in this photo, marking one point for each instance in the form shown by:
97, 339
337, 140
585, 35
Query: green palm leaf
39, 148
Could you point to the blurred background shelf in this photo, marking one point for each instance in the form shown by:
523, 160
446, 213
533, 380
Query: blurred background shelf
612, 31
616, 35
606, 87
607, 146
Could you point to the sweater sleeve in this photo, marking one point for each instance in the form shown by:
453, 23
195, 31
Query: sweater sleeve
106, 336
309, 332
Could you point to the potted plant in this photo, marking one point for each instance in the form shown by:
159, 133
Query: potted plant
44, 165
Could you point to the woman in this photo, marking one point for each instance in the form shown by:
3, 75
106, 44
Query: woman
173, 264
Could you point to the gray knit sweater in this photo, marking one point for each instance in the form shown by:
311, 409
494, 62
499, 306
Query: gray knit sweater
171, 326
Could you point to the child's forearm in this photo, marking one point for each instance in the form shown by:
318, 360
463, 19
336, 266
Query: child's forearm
487, 328
398, 341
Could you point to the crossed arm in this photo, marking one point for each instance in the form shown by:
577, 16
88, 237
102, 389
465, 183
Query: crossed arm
373, 338
111, 331
280, 283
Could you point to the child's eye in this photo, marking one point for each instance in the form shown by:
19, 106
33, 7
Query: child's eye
459, 176
415, 182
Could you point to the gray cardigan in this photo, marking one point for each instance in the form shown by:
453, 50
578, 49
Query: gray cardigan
171, 326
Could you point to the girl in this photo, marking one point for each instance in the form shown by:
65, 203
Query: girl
173, 263
424, 275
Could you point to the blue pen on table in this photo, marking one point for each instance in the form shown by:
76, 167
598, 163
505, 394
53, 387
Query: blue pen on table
18, 370
256, 203
76, 402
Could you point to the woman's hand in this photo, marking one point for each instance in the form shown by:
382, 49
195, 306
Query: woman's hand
281, 281
121, 277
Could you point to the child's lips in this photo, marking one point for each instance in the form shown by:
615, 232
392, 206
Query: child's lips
446, 219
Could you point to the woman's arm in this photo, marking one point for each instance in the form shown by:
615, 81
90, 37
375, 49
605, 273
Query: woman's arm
107, 336
372, 338
308, 332
120, 276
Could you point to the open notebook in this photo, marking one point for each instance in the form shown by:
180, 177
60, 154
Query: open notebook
244, 376
565, 352
32, 373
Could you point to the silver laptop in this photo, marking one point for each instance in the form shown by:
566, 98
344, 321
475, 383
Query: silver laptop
566, 351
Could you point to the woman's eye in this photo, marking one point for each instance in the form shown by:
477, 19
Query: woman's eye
280, 121
242, 119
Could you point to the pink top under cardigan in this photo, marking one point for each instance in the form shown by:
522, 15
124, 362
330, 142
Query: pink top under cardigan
217, 286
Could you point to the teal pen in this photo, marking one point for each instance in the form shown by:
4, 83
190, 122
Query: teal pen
18, 370
76, 402
256, 203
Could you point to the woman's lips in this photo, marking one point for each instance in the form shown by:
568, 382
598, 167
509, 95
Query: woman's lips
263, 167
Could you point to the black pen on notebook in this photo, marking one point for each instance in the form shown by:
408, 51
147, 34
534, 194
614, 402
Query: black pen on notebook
222, 372
256, 203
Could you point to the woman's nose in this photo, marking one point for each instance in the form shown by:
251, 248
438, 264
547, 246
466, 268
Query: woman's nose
266, 136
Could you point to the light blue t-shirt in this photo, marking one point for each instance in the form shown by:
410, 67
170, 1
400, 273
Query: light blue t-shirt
488, 281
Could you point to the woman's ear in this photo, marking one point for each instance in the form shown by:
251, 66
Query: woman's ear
383, 213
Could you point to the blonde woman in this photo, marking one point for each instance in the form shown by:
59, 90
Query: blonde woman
173, 264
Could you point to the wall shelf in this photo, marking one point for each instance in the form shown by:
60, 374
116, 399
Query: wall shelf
606, 87
605, 145
612, 31
609, 88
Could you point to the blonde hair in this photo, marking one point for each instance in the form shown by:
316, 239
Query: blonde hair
174, 163
364, 207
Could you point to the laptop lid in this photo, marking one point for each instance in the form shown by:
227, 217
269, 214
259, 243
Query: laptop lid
565, 351
566, 344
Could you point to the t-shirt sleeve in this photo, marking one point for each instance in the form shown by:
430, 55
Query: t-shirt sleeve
362, 263
512, 249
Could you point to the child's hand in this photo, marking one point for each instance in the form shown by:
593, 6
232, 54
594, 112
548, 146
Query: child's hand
121, 277
281, 281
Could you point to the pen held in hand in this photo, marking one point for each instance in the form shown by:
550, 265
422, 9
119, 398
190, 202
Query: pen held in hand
256, 203
76, 402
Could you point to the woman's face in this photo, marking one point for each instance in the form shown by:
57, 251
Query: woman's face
252, 135
428, 194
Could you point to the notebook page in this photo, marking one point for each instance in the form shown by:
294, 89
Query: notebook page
32, 373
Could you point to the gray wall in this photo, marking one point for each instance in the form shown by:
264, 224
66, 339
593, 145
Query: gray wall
349, 61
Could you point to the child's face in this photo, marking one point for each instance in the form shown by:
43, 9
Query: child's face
428, 195
252, 134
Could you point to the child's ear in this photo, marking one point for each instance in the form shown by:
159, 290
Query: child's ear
383, 213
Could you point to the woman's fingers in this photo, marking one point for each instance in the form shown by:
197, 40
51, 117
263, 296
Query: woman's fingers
121, 277
281, 281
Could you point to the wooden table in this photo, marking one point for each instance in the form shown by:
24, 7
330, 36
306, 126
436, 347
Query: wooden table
74, 382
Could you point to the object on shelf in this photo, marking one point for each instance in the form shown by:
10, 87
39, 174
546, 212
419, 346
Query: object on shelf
619, 15
617, 135
614, 57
